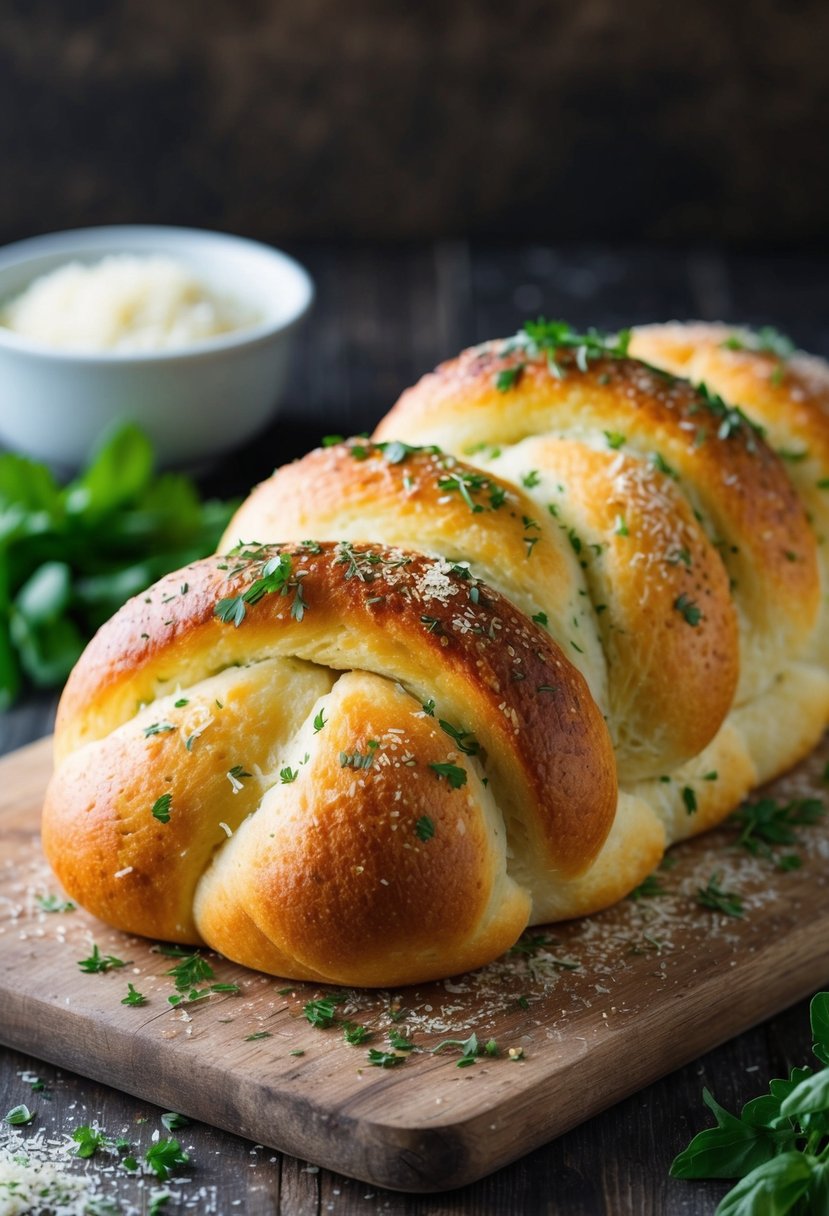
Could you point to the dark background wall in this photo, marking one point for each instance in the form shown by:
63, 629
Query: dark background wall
605, 119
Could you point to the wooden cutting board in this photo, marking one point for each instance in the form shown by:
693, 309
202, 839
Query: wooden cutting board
600, 1008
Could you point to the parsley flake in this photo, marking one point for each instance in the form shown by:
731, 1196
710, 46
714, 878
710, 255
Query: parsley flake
99, 963
161, 808
424, 828
688, 609
453, 773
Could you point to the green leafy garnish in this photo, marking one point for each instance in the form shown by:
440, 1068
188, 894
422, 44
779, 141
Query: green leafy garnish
319, 721
89, 1140
133, 997
173, 1121
161, 808
688, 609
354, 1034
778, 1147
558, 341
158, 728
53, 903
384, 1059
19, 1116
712, 896
98, 962
469, 1048
322, 1012
424, 828
468, 483
163, 1156
71, 556
275, 577
508, 378
767, 824
453, 773
463, 739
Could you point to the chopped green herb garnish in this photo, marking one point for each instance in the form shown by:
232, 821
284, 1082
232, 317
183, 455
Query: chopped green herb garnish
556, 339
400, 1041
53, 903
19, 1116
453, 773
99, 963
464, 741
133, 997
540, 618
688, 609
712, 896
767, 823
319, 721
322, 1012
690, 800
89, 1140
158, 728
355, 1034
161, 808
257, 1035
424, 828
192, 970
384, 1059
287, 775
615, 440
508, 378
163, 1156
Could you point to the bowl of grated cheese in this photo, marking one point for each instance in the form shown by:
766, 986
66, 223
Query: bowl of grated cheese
188, 333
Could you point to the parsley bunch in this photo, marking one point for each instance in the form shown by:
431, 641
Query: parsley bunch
70, 556
779, 1145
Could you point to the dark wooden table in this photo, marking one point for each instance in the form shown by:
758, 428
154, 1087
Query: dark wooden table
381, 319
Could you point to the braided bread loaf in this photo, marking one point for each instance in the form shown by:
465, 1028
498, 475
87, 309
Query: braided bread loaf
591, 642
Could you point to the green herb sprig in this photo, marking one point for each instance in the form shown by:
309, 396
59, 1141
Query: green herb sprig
552, 338
70, 556
766, 826
778, 1147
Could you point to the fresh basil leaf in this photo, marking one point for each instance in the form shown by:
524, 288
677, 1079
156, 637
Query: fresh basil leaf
819, 1017
45, 596
771, 1189
730, 1149
49, 652
120, 469
818, 1196
811, 1096
781, 1089
29, 485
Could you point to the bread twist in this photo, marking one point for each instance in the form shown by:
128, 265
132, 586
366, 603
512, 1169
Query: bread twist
591, 642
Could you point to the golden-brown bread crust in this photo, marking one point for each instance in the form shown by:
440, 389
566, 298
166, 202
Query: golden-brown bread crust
784, 391
734, 481
387, 769
540, 417
685, 677
500, 680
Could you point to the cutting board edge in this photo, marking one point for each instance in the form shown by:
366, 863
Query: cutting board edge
417, 1158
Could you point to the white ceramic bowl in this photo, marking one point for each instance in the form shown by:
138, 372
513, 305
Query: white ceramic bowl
195, 402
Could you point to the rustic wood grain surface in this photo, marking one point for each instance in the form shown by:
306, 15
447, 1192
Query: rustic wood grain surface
382, 319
